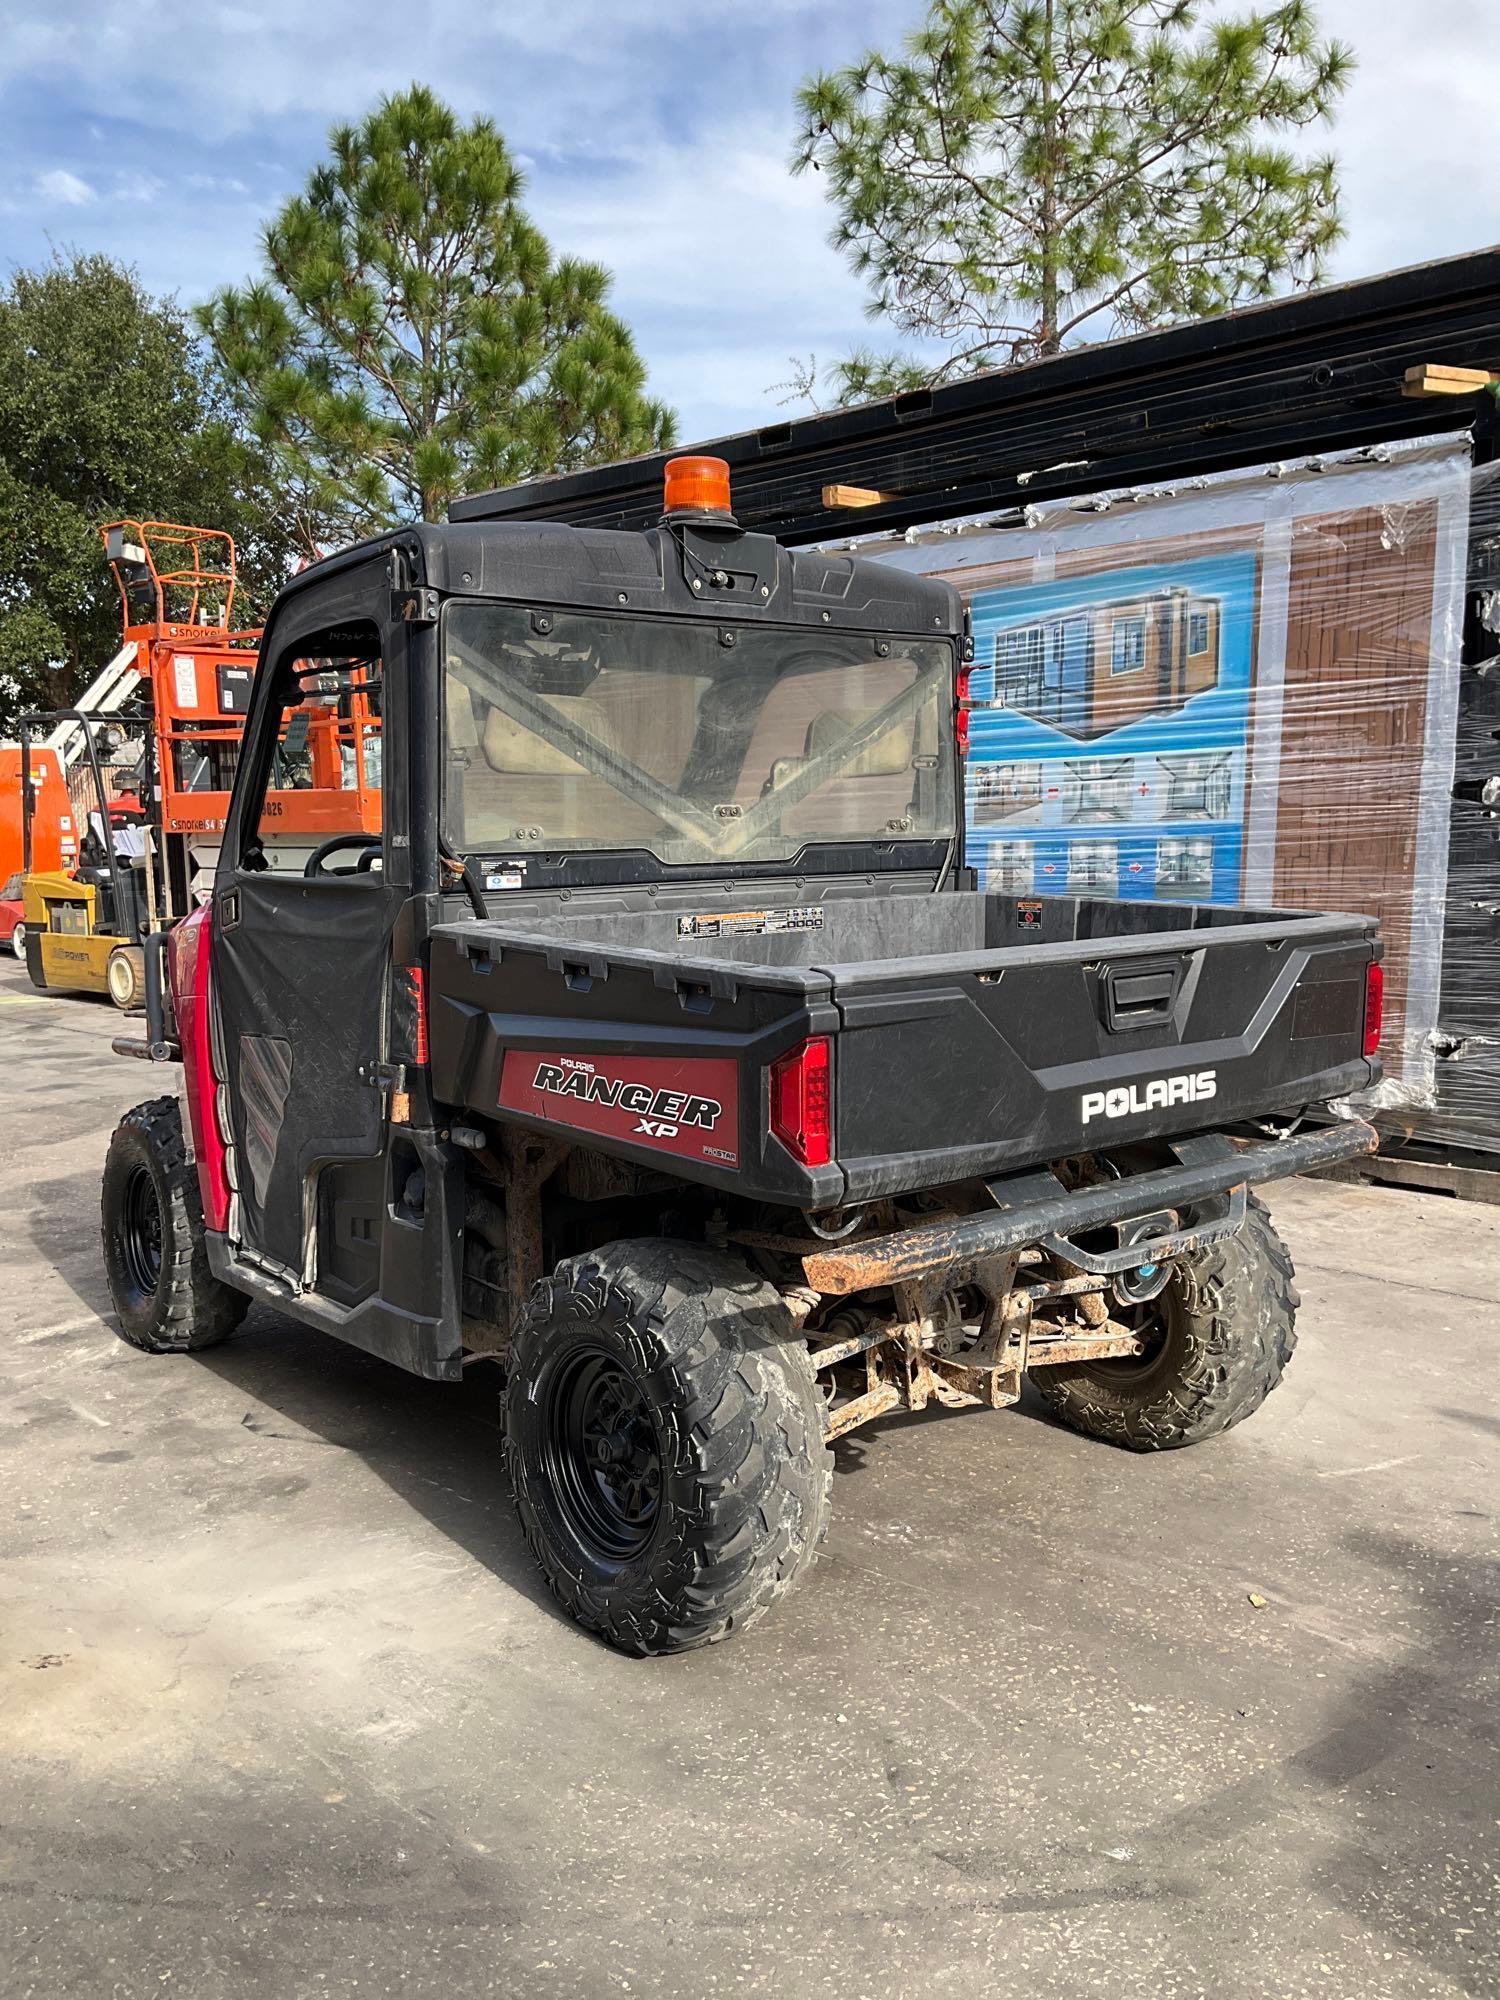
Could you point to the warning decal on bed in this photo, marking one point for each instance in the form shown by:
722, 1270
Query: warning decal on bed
749, 923
687, 1106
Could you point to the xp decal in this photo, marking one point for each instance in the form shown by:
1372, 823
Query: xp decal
687, 1106
1130, 1100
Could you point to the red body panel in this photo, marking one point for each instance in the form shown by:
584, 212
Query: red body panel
688, 1107
188, 961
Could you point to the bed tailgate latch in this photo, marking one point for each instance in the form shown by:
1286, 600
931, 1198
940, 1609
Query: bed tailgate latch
1140, 996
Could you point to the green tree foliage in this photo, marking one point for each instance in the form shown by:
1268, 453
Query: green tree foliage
414, 335
1032, 172
106, 411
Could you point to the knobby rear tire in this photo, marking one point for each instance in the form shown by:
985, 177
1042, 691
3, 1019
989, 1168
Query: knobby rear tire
745, 1480
1230, 1327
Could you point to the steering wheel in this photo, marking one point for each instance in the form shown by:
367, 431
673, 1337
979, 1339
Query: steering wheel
368, 842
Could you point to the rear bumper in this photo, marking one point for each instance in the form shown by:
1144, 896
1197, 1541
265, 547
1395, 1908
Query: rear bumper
1030, 1207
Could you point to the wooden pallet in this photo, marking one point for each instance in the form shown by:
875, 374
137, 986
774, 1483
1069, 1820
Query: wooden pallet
1474, 1179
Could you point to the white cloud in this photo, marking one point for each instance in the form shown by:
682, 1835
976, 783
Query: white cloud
659, 150
721, 282
134, 187
1414, 133
58, 185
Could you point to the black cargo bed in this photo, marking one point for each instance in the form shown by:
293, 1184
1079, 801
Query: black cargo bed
971, 1033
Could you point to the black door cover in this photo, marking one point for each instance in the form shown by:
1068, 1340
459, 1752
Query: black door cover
300, 973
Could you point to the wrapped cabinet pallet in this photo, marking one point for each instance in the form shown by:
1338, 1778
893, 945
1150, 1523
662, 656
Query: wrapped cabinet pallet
1245, 692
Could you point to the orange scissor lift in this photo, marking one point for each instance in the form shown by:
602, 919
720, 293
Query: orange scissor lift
177, 586
151, 763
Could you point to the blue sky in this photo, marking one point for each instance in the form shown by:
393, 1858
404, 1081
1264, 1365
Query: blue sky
655, 139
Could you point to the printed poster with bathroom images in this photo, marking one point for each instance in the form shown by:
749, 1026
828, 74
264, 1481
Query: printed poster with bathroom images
1110, 731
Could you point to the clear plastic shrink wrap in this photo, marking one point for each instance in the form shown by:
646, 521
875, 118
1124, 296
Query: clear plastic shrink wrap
1247, 691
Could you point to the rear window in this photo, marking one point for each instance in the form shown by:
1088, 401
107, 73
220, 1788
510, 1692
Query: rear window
574, 732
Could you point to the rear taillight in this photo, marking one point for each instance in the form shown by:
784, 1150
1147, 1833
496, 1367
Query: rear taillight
802, 1102
1374, 1005
961, 714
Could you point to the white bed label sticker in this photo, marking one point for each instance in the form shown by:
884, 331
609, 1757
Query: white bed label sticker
1129, 1100
185, 669
749, 923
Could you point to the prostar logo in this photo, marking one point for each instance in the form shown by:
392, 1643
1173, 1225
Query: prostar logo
1129, 1100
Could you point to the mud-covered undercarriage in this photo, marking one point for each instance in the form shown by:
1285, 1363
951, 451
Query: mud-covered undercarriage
880, 1337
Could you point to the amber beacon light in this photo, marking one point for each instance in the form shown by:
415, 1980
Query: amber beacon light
696, 486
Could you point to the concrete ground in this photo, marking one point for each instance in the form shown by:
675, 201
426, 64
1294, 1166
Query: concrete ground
284, 1710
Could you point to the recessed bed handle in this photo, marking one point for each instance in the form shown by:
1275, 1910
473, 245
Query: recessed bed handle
1140, 996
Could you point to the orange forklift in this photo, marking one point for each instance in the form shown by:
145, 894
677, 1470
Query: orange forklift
150, 755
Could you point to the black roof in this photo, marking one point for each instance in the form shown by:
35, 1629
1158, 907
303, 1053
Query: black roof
1320, 371
705, 571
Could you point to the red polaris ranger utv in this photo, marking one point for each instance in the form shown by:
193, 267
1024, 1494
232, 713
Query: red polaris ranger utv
660, 1047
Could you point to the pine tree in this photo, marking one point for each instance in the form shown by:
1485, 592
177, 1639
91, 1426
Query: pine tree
1034, 172
414, 335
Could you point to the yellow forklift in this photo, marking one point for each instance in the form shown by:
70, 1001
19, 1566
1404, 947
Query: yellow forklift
86, 927
147, 757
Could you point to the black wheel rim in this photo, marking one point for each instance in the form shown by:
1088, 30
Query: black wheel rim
1154, 1323
140, 1232
602, 1454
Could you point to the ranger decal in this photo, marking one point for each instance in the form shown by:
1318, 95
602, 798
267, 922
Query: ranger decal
687, 1106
